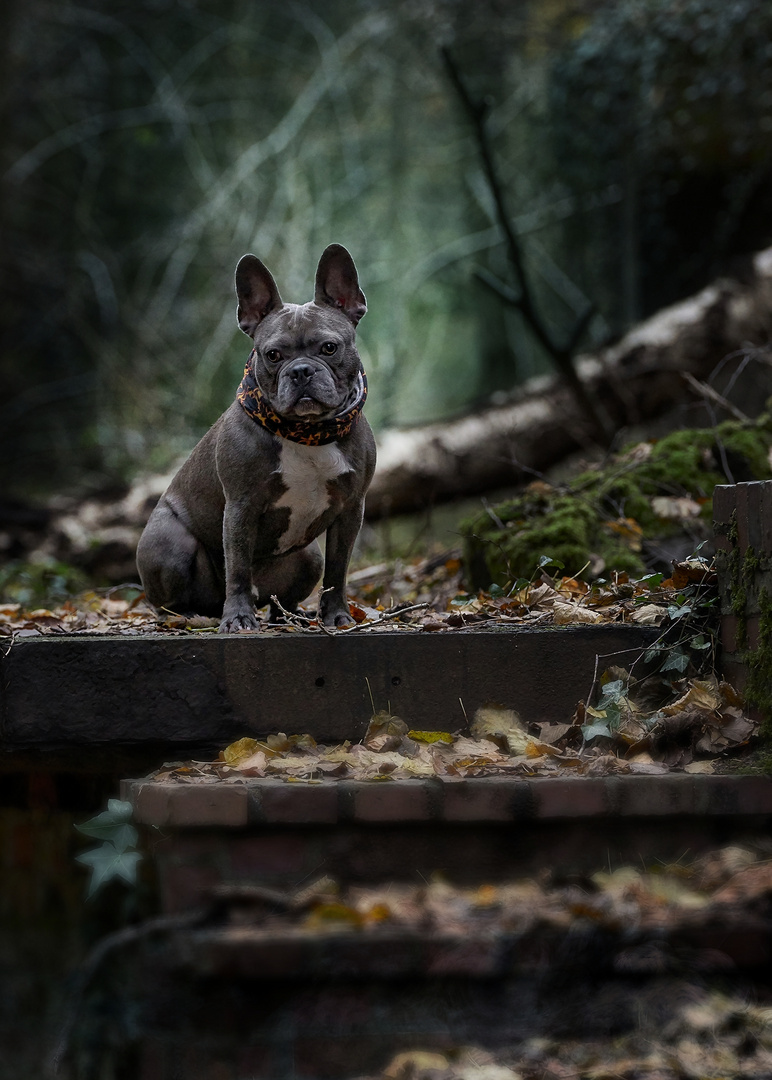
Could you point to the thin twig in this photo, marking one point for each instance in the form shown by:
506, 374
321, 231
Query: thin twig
381, 618
706, 391
300, 620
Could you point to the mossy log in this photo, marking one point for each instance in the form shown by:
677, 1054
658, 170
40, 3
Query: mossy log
623, 516
633, 381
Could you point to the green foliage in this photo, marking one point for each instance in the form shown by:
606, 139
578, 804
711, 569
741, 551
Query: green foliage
116, 857
40, 584
758, 690
146, 149
610, 705
586, 521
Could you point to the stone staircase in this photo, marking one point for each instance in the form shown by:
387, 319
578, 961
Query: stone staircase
335, 1001
237, 982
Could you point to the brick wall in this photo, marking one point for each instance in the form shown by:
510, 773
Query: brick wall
742, 516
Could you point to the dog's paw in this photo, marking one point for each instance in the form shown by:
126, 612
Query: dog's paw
339, 618
242, 622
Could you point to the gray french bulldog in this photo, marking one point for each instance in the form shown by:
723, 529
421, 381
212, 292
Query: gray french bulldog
290, 459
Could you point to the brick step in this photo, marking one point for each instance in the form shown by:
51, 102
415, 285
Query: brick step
289, 1002
737, 942
472, 830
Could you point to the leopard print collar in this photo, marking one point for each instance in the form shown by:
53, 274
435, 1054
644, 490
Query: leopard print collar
308, 432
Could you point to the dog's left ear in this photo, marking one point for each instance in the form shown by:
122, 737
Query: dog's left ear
337, 283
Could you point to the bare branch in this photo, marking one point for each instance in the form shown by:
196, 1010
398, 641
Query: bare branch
524, 301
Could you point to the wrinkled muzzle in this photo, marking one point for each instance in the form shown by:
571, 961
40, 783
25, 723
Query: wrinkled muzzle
306, 389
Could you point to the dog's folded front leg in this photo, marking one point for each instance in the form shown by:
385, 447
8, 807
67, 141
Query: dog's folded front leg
239, 530
333, 606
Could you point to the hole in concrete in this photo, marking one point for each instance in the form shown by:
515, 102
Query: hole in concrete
395, 680
319, 681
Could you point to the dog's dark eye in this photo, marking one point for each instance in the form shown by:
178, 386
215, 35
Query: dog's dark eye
273, 355
328, 348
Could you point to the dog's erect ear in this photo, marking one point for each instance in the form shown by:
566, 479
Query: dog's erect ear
337, 284
257, 293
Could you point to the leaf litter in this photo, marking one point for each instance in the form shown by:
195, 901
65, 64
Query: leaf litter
682, 1028
667, 711
709, 1035
634, 728
424, 596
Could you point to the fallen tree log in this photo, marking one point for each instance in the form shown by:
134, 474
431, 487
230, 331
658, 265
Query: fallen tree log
634, 380
638, 378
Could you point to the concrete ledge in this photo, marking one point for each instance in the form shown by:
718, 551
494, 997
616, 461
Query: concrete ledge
110, 693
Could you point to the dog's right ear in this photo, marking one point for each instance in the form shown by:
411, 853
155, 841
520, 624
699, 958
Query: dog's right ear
257, 293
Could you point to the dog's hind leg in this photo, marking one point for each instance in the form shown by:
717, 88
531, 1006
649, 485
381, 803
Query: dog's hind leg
176, 571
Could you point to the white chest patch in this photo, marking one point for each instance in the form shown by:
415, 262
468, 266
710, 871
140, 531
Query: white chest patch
306, 471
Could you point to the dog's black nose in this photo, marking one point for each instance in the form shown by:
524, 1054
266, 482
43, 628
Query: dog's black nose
301, 373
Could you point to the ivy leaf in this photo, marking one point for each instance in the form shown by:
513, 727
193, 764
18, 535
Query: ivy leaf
112, 825
107, 862
592, 731
121, 837
547, 560
677, 661
652, 580
678, 612
699, 642
613, 691
120, 809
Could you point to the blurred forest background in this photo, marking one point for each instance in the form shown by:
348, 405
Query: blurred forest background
147, 145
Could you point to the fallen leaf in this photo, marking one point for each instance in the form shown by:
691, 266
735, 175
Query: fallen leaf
628, 530
334, 912
384, 732
573, 613
501, 726
700, 768
410, 1064
254, 765
430, 736
649, 615
674, 508
357, 613
553, 733
702, 694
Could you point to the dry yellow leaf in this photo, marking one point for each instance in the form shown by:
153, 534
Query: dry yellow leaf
431, 736
335, 913
239, 751
703, 768
412, 1063
377, 913
702, 694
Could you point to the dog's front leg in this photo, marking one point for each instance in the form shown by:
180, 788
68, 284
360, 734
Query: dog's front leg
341, 535
239, 532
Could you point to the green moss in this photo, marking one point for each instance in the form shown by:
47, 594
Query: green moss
562, 526
758, 690
584, 521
